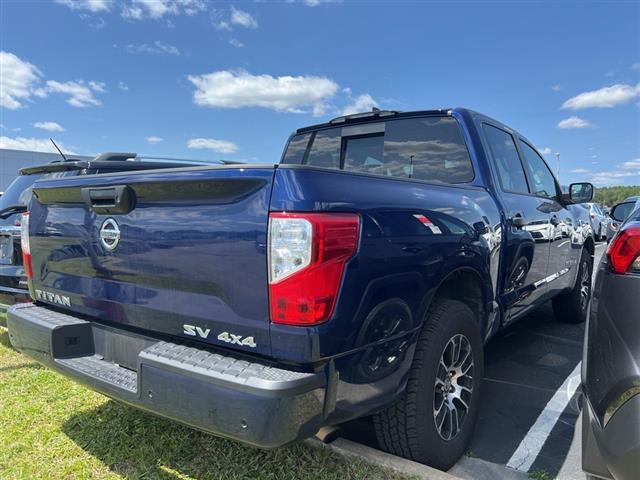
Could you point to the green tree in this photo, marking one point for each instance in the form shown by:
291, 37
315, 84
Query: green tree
609, 196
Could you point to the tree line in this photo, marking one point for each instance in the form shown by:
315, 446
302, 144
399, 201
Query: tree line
609, 196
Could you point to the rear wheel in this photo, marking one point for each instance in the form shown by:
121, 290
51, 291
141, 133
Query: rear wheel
433, 421
572, 307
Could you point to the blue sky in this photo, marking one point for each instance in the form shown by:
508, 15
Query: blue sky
210, 80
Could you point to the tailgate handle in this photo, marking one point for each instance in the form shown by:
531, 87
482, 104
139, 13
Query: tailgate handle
118, 199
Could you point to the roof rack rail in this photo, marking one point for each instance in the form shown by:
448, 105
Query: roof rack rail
375, 112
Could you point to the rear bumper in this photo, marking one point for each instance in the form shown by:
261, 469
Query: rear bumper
613, 451
250, 402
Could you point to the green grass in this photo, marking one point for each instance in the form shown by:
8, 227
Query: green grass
52, 428
539, 475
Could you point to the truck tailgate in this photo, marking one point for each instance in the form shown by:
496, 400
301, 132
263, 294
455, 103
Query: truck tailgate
181, 253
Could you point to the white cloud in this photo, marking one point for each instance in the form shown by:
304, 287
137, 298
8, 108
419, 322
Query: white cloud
229, 89
220, 146
17, 80
98, 24
626, 173
98, 86
556, 88
153, 140
32, 144
314, 3
92, 6
574, 122
222, 25
635, 66
157, 9
236, 43
362, 103
615, 177
49, 126
545, 151
242, 18
580, 170
155, 48
606, 97
80, 93
632, 164
123, 86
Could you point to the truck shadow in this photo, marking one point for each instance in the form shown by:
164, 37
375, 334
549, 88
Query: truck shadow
137, 445
525, 365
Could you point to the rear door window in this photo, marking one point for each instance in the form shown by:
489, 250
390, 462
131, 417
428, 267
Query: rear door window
506, 159
425, 148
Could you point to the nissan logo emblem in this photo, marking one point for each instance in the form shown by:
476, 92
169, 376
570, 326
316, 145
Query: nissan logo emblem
109, 234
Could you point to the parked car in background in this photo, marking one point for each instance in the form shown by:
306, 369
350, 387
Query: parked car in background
13, 281
613, 225
360, 276
611, 361
599, 220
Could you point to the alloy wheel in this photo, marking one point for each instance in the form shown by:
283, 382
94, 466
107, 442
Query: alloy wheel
453, 387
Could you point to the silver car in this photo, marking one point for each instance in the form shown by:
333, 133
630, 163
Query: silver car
599, 220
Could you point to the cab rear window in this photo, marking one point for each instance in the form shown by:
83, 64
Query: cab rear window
426, 148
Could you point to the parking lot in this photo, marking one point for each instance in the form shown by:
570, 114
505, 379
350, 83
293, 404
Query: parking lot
528, 423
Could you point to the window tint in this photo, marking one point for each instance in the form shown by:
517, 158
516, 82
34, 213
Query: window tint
296, 149
325, 149
544, 184
506, 160
427, 148
364, 154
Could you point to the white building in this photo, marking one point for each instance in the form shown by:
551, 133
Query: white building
13, 160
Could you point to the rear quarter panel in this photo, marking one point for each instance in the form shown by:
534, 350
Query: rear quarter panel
398, 257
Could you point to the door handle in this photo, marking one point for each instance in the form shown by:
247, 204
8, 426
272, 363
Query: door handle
110, 200
518, 221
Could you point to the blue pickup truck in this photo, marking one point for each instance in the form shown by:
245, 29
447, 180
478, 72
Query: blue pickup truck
362, 275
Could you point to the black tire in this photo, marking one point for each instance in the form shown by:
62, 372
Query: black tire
408, 428
572, 307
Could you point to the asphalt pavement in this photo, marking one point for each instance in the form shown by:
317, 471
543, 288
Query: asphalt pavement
529, 420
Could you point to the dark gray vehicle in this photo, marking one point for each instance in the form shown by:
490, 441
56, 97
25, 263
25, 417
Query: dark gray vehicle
611, 360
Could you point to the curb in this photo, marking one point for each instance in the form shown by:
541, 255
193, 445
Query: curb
370, 455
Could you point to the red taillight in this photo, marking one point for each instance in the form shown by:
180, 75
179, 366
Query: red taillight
26, 248
307, 256
624, 251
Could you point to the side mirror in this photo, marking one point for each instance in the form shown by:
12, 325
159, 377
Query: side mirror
622, 210
580, 192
